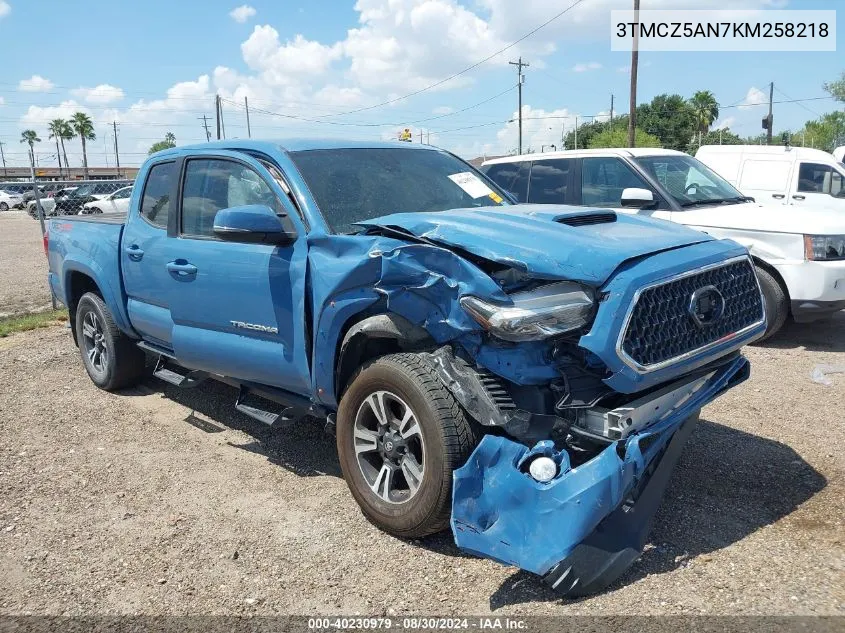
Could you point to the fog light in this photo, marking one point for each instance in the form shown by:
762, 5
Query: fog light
543, 469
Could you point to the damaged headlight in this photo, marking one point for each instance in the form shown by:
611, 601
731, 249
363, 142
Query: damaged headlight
537, 314
822, 248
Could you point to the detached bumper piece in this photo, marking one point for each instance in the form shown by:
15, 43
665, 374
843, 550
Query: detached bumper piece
586, 526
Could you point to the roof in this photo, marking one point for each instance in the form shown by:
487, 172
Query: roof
299, 144
768, 150
576, 153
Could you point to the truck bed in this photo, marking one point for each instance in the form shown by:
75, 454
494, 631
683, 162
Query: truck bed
98, 218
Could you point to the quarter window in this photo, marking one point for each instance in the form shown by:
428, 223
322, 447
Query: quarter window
604, 179
214, 184
549, 179
155, 204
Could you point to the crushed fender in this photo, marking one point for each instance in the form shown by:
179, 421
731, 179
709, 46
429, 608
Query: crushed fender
499, 511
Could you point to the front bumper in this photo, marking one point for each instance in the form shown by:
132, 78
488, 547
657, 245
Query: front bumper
500, 512
816, 289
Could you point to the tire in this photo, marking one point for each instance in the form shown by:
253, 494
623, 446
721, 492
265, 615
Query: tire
776, 303
111, 358
95, 210
4, 206
445, 441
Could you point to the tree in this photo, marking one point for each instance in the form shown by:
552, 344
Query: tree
715, 137
706, 110
670, 118
587, 131
826, 132
619, 138
83, 127
168, 142
30, 137
65, 134
836, 88
56, 126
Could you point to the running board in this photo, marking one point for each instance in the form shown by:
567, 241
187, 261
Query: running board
287, 415
185, 381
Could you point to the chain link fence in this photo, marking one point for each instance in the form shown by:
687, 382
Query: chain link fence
68, 197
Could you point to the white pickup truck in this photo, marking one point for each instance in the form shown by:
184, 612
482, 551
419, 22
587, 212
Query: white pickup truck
799, 253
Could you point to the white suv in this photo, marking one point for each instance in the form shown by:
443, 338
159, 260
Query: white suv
800, 257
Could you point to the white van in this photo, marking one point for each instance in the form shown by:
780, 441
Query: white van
793, 176
839, 154
800, 257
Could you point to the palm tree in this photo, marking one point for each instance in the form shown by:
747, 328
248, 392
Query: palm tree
83, 127
55, 128
706, 110
30, 137
66, 133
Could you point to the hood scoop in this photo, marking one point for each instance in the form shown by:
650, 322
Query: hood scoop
585, 219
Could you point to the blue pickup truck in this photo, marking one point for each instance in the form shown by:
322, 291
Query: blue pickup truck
526, 374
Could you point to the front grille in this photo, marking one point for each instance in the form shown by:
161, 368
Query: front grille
661, 327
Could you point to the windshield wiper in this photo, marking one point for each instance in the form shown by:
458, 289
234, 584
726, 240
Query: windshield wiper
734, 200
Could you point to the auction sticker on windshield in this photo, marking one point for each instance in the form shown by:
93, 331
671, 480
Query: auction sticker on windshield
471, 183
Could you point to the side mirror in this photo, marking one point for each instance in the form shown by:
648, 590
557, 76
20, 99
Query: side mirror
637, 198
254, 224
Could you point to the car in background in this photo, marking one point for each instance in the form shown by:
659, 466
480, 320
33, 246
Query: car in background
118, 202
9, 199
797, 177
799, 257
47, 190
49, 204
73, 204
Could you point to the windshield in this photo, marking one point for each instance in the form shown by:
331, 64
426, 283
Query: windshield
84, 190
689, 181
351, 185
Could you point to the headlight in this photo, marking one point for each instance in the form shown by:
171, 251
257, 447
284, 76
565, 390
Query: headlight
546, 311
824, 247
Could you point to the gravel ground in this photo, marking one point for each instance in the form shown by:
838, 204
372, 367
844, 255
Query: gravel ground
23, 267
161, 501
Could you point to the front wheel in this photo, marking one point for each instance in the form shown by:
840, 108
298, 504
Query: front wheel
400, 435
4, 206
93, 210
111, 358
775, 302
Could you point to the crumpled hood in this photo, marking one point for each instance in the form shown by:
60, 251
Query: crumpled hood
532, 238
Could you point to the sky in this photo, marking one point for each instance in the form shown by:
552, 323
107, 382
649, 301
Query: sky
340, 68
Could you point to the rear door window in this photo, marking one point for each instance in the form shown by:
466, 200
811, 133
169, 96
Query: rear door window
512, 177
155, 202
550, 180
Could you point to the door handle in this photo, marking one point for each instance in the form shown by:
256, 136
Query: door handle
134, 252
779, 196
797, 197
181, 268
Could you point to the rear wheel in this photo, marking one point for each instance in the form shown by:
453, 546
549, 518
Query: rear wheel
95, 210
776, 302
400, 435
111, 358
4, 206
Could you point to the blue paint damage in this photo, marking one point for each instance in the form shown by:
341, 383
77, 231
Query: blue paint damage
500, 512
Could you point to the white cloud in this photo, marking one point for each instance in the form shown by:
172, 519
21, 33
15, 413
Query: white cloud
2, 101
38, 117
102, 94
724, 124
443, 110
755, 97
5, 8
36, 83
286, 63
242, 13
582, 68
539, 127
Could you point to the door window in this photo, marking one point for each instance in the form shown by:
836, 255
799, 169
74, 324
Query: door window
512, 177
604, 179
215, 184
818, 178
120, 195
549, 179
155, 203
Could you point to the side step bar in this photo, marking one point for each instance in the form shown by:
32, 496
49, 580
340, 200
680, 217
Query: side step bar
186, 381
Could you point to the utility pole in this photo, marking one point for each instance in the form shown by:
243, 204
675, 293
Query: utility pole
421, 137
38, 207
769, 128
520, 80
246, 107
576, 131
428, 138
3, 157
611, 112
116, 153
204, 120
217, 114
635, 59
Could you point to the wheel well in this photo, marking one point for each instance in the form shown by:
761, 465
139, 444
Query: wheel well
773, 272
77, 285
372, 337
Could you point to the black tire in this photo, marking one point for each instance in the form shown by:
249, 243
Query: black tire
776, 303
96, 210
4, 206
123, 362
447, 435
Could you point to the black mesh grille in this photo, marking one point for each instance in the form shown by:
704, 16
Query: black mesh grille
661, 327
585, 219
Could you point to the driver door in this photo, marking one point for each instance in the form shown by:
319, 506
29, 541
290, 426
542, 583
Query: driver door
817, 185
603, 179
237, 308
